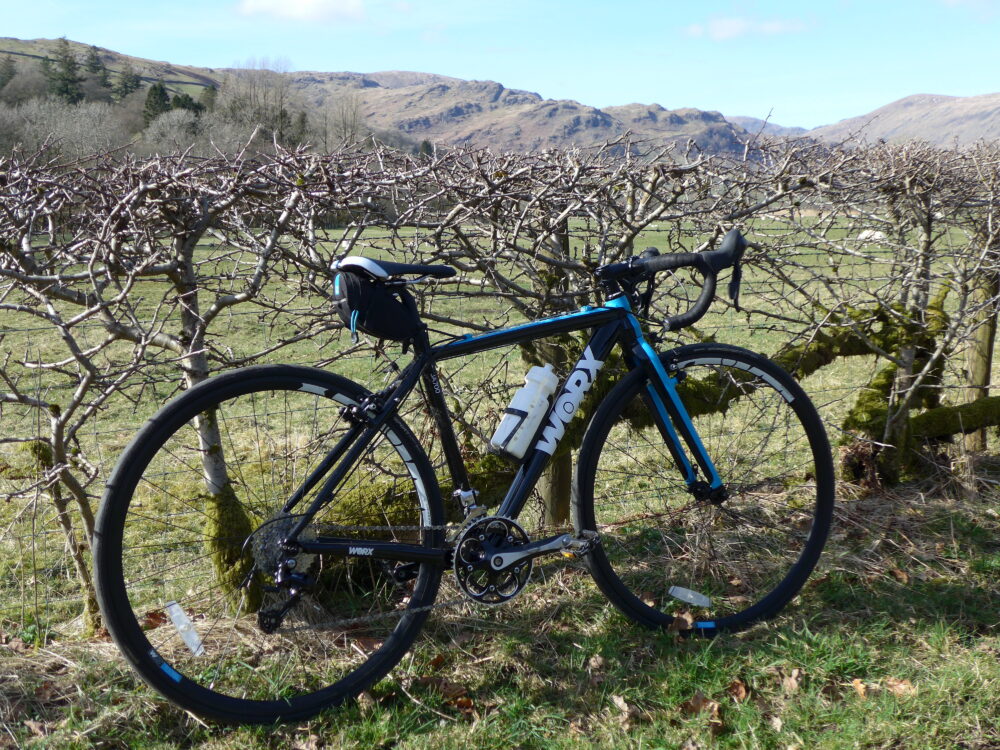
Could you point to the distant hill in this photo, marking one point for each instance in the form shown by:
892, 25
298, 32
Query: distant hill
942, 120
178, 78
754, 125
452, 111
447, 111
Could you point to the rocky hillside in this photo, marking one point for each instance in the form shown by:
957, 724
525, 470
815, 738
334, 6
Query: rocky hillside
942, 120
485, 113
443, 110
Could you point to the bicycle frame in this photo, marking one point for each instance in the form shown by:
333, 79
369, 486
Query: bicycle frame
613, 323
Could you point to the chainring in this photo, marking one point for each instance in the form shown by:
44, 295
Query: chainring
476, 546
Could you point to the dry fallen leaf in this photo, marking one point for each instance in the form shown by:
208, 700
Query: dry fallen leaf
436, 662
860, 688
449, 690
699, 704
791, 681
682, 621
900, 688
153, 619
312, 742
900, 575
738, 690
627, 712
776, 723
37, 728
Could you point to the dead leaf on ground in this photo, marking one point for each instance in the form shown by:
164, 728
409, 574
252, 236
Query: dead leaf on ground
37, 728
738, 690
900, 575
627, 713
900, 688
682, 621
436, 662
776, 723
860, 688
448, 689
699, 704
791, 680
153, 619
312, 742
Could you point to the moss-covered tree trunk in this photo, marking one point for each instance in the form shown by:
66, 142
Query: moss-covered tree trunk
226, 523
979, 354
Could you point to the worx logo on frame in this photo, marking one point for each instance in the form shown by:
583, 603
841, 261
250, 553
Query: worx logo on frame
569, 399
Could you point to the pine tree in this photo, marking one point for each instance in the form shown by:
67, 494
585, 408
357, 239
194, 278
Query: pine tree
157, 102
8, 69
128, 81
63, 74
207, 98
94, 65
92, 61
184, 101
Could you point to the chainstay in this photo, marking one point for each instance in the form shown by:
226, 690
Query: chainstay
399, 613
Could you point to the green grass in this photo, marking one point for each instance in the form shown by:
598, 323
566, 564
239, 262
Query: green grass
893, 643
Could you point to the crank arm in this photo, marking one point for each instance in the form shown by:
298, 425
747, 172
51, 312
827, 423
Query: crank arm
564, 543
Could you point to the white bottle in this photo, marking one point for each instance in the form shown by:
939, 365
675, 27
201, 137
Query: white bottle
522, 417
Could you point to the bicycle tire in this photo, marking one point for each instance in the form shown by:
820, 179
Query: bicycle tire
669, 561
162, 536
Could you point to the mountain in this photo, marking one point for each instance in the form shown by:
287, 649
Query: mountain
941, 120
754, 125
485, 113
444, 110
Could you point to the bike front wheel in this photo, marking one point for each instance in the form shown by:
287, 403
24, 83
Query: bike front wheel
667, 559
190, 536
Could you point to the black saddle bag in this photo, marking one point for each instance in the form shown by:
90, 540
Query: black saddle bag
371, 306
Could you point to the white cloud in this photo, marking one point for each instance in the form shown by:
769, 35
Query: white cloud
305, 10
723, 29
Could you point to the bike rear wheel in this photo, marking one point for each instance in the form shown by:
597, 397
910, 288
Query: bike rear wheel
189, 536
668, 560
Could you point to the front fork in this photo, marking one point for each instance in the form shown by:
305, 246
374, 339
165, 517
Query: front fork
671, 418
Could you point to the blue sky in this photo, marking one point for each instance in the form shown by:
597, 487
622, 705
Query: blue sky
806, 63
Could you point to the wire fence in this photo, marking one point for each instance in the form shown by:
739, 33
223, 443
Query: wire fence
124, 282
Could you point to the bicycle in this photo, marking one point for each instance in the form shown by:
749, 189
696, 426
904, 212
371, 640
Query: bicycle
272, 541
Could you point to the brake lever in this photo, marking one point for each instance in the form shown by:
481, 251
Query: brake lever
737, 277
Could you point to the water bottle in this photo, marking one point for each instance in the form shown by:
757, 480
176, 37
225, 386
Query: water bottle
522, 417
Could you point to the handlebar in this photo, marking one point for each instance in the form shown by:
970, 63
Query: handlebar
708, 263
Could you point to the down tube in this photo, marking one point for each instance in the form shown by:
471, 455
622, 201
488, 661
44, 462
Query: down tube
560, 414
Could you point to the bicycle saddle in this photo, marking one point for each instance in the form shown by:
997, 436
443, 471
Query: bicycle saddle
384, 269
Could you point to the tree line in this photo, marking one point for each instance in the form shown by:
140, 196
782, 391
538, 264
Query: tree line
79, 106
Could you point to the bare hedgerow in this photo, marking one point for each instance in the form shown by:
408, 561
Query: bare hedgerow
125, 279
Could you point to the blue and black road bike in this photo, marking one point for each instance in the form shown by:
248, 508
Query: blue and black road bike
272, 541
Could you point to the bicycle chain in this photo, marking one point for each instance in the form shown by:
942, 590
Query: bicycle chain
364, 620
